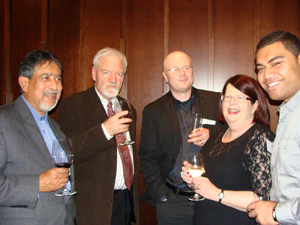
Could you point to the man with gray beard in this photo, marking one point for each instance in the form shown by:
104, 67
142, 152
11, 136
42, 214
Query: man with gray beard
28, 177
105, 188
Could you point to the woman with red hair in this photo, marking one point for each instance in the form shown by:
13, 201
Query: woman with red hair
236, 160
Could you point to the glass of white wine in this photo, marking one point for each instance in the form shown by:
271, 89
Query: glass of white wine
196, 169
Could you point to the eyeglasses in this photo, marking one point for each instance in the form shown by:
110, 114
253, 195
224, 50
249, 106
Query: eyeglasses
177, 70
237, 98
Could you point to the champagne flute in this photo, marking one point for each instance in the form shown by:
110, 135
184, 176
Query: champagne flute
125, 105
62, 155
196, 169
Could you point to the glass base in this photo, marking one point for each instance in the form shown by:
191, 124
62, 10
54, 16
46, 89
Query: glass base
196, 197
65, 192
126, 142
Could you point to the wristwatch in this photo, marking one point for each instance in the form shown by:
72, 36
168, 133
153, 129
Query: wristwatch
274, 214
221, 195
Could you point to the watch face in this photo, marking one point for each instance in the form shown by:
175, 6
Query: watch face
221, 195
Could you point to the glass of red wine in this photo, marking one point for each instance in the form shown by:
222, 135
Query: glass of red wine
125, 105
62, 155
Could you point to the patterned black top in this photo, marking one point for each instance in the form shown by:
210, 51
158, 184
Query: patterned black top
242, 164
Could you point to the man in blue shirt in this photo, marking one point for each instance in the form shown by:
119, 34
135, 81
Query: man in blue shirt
278, 68
28, 177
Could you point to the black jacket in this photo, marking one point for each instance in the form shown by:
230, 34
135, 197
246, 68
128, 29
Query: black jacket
161, 137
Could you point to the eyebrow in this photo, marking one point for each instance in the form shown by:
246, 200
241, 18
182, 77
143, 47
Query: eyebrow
51, 74
271, 60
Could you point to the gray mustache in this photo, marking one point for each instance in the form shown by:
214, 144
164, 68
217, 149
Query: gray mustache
50, 92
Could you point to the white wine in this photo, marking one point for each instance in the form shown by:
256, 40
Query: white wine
196, 171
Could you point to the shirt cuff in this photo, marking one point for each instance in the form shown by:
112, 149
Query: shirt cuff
107, 135
286, 212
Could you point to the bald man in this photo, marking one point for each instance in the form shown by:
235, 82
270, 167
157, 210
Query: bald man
165, 139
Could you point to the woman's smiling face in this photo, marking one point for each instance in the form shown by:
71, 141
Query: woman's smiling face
237, 112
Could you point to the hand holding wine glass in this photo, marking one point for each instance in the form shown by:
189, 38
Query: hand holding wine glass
196, 169
122, 105
62, 155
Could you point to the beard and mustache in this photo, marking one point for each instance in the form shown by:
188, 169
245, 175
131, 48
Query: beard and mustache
46, 107
111, 90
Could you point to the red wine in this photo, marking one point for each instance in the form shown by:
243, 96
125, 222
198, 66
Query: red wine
127, 116
64, 165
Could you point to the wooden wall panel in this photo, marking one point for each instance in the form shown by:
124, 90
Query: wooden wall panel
64, 42
279, 15
103, 20
145, 53
3, 72
25, 34
233, 40
189, 33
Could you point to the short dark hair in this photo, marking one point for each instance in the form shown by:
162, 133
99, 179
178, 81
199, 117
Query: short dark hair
36, 58
289, 41
251, 88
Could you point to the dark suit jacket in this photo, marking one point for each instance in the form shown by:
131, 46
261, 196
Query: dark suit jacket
23, 157
161, 138
81, 116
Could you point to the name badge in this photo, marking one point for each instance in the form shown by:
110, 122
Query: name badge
208, 122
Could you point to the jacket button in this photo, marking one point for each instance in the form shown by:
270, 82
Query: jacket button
112, 177
114, 153
109, 202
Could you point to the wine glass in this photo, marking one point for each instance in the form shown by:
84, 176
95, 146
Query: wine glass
196, 169
263, 196
196, 121
124, 105
62, 155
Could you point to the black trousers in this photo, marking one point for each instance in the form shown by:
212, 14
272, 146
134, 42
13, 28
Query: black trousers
177, 210
122, 210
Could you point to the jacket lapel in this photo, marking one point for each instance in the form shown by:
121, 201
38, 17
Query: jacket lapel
171, 117
199, 102
95, 107
32, 132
